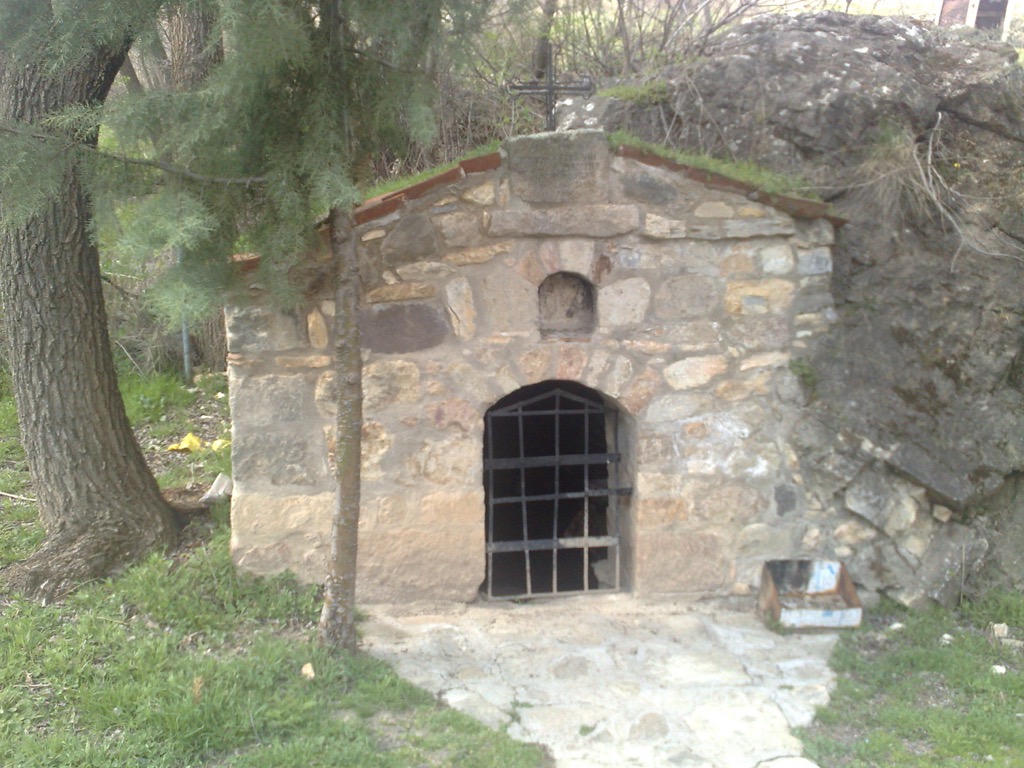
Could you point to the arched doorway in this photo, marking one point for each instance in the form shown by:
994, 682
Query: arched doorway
552, 483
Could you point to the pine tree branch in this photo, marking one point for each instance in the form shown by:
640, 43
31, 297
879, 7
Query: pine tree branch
174, 170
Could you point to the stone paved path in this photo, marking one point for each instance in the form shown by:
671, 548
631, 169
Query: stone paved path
615, 680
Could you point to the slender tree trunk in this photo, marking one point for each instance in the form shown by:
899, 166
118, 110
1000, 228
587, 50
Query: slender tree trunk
337, 619
97, 499
191, 49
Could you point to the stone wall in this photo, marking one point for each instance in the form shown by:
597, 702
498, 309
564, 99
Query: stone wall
705, 299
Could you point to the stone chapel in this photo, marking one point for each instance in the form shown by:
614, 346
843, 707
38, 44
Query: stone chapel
580, 372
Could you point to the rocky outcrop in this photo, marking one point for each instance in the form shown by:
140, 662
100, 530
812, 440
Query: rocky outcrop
915, 414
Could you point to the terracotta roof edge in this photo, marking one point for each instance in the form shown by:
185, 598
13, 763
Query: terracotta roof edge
798, 207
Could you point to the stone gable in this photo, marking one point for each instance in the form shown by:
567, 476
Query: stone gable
673, 305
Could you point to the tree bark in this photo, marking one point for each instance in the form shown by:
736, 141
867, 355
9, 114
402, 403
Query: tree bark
337, 619
99, 503
191, 50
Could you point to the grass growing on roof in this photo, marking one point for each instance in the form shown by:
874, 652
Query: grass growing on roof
749, 173
648, 94
402, 182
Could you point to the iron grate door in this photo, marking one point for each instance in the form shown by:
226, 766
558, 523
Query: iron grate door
552, 483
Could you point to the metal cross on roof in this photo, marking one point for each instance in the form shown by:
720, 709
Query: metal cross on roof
549, 88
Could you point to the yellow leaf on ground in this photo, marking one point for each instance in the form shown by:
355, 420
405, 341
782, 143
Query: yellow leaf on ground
188, 444
219, 445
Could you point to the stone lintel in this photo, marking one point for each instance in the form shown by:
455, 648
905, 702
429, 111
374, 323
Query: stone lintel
400, 292
577, 220
661, 228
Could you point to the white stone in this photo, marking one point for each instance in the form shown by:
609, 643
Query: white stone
482, 194
817, 261
714, 209
461, 309
695, 371
777, 260
424, 270
623, 303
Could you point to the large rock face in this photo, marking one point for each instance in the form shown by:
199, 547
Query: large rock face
915, 418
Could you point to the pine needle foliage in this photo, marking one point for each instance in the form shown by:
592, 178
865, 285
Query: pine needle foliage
282, 129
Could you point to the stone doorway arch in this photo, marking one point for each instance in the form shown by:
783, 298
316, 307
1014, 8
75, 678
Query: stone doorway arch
554, 477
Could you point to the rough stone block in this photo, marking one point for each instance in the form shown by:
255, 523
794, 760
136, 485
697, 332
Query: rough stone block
559, 168
676, 407
687, 296
537, 364
293, 361
738, 229
435, 564
257, 329
390, 381
575, 221
506, 302
656, 512
571, 360
765, 360
479, 255
732, 390
766, 541
271, 534
754, 297
261, 401
777, 259
455, 463
817, 261
764, 332
424, 271
680, 561
266, 458
376, 442
947, 475
412, 239
714, 209
480, 194
461, 308
399, 328
883, 500
325, 395
623, 303
695, 371
729, 502
459, 229
662, 228
955, 553
814, 233
316, 326
577, 256
400, 292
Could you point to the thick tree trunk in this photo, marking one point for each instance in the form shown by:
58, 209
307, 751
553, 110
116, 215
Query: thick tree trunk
97, 499
337, 620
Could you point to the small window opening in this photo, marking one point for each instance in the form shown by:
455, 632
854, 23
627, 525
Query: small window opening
567, 303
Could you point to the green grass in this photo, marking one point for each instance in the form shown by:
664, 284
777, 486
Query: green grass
746, 172
906, 699
183, 661
192, 664
402, 182
648, 94
156, 399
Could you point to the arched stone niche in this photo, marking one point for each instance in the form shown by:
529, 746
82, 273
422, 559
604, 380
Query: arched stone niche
568, 306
